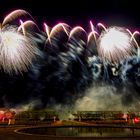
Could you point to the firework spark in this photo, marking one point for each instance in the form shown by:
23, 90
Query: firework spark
57, 28
114, 44
24, 25
14, 15
75, 30
93, 30
133, 39
16, 50
47, 30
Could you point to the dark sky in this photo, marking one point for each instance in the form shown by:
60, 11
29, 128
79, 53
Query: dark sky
77, 12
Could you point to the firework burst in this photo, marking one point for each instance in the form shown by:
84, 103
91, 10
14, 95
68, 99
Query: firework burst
115, 44
17, 51
17, 46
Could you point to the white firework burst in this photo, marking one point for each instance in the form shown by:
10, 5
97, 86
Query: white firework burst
16, 50
115, 44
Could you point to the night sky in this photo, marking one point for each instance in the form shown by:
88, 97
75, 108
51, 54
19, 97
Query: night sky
77, 12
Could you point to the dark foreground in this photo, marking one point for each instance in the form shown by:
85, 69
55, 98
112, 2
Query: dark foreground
8, 133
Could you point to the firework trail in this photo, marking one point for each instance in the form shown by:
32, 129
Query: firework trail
59, 64
11, 17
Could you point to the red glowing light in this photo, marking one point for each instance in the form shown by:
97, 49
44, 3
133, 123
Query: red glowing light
136, 120
1, 115
6, 115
